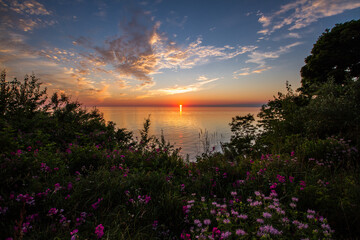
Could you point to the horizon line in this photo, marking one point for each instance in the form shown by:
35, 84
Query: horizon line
184, 105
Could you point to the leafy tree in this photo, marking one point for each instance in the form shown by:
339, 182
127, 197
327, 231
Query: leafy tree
26, 114
244, 135
336, 54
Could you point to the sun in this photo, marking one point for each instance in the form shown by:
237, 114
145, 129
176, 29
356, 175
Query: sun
180, 106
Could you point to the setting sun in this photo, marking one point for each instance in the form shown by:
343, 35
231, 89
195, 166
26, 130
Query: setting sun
180, 107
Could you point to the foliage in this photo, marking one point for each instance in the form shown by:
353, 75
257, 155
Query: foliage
243, 137
335, 55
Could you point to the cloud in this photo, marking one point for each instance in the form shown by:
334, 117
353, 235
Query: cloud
30, 7
173, 57
302, 13
24, 15
197, 86
248, 71
259, 58
141, 50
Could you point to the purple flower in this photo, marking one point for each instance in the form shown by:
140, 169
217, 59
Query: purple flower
267, 215
52, 211
268, 229
303, 185
240, 232
207, 221
273, 186
69, 186
243, 216
259, 220
99, 231
57, 187
155, 224
226, 221
96, 205
281, 178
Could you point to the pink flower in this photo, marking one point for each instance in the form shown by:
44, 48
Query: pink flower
52, 211
266, 215
291, 179
240, 232
273, 186
96, 205
99, 231
303, 185
281, 178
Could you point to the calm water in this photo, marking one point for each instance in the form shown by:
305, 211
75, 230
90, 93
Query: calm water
193, 129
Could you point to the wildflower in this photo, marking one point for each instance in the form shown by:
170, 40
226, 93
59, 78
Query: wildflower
155, 224
281, 178
99, 231
215, 232
57, 187
273, 186
259, 220
225, 235
268, 229
293, 205
256, 203
291, 179
303, 185
52, 211
267, 215
96, 205
233, 193
243, 216
273, 193
226, 221
294, 199
207, 221
310, 211
240, 232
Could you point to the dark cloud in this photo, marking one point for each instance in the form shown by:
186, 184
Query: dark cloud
132, 53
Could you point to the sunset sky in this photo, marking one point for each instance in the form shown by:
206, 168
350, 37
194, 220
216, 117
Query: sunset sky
109, 53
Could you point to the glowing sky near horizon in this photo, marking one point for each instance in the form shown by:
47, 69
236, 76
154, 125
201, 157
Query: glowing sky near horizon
165, 52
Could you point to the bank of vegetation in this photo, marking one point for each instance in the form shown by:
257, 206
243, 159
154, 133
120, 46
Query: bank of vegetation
67, 174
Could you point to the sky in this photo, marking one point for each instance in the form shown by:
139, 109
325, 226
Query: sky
165, 52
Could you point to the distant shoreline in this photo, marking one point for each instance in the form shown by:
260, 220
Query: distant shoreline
225, 105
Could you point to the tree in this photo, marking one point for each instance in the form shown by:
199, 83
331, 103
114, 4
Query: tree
336, 55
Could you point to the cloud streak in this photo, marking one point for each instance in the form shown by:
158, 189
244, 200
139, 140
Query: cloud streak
197, 86
302, 13
259, 58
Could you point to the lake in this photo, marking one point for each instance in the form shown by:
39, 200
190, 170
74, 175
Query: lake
193, 129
